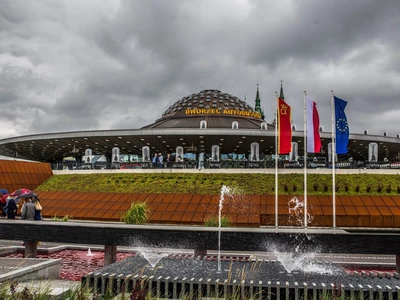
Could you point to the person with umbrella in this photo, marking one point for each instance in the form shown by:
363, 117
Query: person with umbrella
28, 210
38, 209
11, 207
3, 196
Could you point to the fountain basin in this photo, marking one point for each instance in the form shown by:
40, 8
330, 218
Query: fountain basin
176, 275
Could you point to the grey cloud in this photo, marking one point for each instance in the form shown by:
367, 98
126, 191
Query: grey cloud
75, 65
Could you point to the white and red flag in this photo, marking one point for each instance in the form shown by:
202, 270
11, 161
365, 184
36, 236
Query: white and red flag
313, 137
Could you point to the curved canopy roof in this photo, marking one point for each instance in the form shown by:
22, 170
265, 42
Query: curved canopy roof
181, 125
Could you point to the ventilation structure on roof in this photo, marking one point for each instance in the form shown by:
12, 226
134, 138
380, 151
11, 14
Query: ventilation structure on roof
264, 126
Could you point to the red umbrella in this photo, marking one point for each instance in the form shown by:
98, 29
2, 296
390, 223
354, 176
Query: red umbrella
23, 193
4, 199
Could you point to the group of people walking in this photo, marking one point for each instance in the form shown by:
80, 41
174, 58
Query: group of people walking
31, 208
159, 161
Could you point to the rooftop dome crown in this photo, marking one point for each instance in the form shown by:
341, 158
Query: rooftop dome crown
207, 102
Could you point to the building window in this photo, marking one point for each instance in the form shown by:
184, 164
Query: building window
235, 125
203, 124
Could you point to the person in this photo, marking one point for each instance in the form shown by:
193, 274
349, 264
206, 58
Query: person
168, 161
3, 197
155, 160
160, 160
10, 208
28, 210
38, 209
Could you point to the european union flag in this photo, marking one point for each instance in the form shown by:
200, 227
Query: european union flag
342, 127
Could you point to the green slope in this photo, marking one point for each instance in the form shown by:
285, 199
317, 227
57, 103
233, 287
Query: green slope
318, 184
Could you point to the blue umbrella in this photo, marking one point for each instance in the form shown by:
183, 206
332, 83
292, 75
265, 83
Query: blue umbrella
3, 191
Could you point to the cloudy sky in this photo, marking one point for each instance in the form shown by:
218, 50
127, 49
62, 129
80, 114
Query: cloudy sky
90, 64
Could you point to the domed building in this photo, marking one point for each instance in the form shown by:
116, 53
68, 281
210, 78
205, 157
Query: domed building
211, 109
210, 125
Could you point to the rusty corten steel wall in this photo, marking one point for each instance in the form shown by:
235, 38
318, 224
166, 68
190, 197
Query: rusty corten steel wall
247, 210
15, 175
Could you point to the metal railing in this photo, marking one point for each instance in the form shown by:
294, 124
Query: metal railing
234, 164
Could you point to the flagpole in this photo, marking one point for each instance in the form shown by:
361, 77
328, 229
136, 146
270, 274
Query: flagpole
276, 159
333, 161
305, 160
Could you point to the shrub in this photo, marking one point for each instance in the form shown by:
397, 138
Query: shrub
214, 222
138, 213
61, 219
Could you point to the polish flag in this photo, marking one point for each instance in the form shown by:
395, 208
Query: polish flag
313, 138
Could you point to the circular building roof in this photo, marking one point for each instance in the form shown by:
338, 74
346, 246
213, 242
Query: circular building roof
218, 109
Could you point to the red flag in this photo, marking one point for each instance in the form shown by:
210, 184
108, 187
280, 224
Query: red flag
284, 128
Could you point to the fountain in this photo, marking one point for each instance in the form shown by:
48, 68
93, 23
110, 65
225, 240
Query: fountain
224, 191
153, 257
89, 253
296, 210
291, 272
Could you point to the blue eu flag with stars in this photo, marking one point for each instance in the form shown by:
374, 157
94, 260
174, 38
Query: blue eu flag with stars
342, 127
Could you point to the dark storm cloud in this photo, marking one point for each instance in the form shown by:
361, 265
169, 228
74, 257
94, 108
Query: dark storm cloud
76, 65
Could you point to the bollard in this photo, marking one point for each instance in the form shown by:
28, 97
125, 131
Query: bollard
119, 283
371, 292
158, 288
351, 291
174, 291
361, 291
269, 290
103, 283
278, 290
89, 278
217, 295
150, 290
167, 287
314, 291
199, 288
390, 292
305, 296
287, 290
183, 288
226, 288
111, 285
242, 292
208, 293
126, 283
191, 287
96, 282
